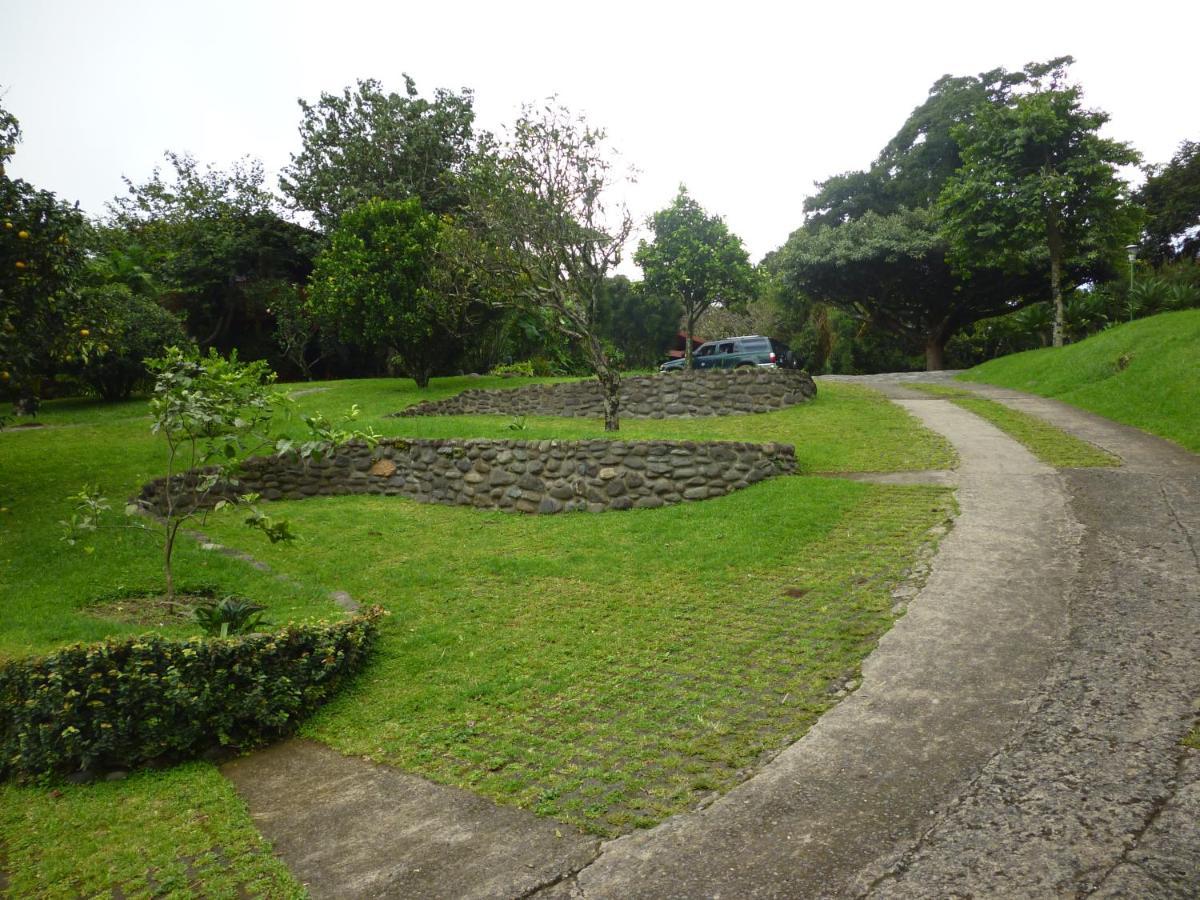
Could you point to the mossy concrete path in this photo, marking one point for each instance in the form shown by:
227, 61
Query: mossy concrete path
1017, 733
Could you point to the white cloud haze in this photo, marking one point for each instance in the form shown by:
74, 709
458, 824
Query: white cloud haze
747, 103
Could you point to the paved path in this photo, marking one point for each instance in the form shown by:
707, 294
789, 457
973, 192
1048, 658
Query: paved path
1015, 734
349, 828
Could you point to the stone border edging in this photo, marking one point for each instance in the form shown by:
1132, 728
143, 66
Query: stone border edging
548, 476
674, 395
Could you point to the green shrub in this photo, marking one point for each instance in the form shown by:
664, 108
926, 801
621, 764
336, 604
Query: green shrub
131, 328
521, 369
129, 700
231, 615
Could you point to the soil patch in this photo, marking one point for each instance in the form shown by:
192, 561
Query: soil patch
154, 610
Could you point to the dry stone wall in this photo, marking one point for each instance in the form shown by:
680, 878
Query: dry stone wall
672, 395
527, 476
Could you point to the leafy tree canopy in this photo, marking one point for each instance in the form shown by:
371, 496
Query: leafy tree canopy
375, 283
542, 205
208, 236
367, 143
41, 259
695, 257
888, 266
914, 165
891, 271
1037, 183
1171, 200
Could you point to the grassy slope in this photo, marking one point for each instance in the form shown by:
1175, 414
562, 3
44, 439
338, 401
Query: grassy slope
607, 669
1144, 373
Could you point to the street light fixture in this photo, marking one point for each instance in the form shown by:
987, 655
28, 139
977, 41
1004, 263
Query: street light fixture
1131, 251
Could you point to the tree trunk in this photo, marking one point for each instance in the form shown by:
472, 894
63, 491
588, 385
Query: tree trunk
610, 382
421, 376
168, 549
1054, 243
689, 362
935, 353
610, 388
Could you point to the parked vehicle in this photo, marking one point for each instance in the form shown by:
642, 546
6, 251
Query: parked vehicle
739, 352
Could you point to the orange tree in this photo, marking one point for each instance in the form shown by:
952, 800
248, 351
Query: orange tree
40, 262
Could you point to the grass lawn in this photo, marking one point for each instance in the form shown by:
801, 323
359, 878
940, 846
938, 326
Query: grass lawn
1143, 373
608, 670
1048, 443
178, 833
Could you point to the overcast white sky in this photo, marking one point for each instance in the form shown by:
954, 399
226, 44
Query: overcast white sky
748, 103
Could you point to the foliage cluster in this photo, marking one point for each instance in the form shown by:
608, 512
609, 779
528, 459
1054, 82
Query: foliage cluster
1173, 286
695, 260
124, 702
130, 329
995, 194
41, 258
1171, 200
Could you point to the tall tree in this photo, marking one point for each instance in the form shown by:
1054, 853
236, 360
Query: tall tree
696, 258
1038, 182
888, 266
545, 202
1171, 200
891, 271
367, 143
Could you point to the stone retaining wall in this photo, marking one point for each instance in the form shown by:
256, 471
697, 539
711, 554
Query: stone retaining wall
673, 395
527, 476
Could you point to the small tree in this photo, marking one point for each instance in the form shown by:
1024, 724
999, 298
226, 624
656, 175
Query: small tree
374, 283
1038, 182
296, 327
545, 202
212, 412
696, 258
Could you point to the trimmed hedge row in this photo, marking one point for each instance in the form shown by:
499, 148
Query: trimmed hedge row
127, 701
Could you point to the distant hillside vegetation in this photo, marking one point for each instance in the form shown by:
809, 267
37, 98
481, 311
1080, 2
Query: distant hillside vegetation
1145, 373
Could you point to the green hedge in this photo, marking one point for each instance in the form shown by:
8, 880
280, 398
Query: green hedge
127, 701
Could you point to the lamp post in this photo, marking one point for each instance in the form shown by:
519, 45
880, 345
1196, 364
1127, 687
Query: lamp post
1131, 252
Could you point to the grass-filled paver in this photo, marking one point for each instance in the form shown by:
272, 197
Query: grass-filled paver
1047, 442
177, 833
606, 670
